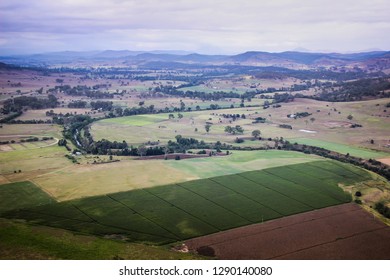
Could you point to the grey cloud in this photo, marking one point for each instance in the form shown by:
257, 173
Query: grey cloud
229, 26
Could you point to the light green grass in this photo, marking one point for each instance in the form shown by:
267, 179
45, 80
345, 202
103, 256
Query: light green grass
138, 120
239, 161
21, 241
340, 148
35, 159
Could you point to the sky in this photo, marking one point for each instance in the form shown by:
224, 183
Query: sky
202, 26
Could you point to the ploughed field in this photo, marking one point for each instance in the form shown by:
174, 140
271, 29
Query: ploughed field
176, 212
338, 232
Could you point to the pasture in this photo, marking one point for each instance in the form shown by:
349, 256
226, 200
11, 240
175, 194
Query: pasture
19, 241
175, 212
75, 181
327, 123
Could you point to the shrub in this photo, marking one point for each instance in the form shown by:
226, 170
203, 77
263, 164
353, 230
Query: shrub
358, 201
358, 194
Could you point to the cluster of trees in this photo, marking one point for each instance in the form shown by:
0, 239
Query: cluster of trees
259, 120
356, 90
287, 126
17, 104
383, 209
77, 104
234, 129
102, 105
182, 144
299, 115
10, 117
317, 75
217, 95
82, 91
233, 116
33, 121
283, 97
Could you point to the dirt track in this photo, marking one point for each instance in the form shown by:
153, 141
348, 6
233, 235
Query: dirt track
339, 232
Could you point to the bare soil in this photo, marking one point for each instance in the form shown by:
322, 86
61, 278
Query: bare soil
339, 232
385, 161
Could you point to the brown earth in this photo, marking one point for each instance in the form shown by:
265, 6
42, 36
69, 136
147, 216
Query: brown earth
339, 232
385, 160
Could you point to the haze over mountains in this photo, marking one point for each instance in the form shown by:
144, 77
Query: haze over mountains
289, 59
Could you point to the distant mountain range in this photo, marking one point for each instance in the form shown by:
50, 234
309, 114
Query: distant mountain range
289, 59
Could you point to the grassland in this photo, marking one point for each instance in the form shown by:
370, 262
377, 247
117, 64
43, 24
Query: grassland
341, 148
75, 181
25, 242
180, 211
139, 120
15, 131
328, 123
32, 162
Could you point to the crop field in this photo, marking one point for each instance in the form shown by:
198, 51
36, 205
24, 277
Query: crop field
75, 181
22, 195
185, 210
339, 232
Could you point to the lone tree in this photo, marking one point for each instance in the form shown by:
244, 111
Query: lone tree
207, 127
350, 117
256, 133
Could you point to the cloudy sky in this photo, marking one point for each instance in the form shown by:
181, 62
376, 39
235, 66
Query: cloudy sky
204, 26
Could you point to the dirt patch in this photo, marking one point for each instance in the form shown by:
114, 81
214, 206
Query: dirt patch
181, 248
385, 161
339, 232
119, 237
5, 148
336, 124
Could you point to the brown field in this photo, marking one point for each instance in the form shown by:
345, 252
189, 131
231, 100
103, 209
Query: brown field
385, 160
340, 232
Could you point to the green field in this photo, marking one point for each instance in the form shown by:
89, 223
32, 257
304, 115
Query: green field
138, 120
171, 213
340, 148
75, 181
239, 161
22, 195
19, 241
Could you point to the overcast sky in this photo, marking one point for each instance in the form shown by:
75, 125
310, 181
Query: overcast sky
204, 26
